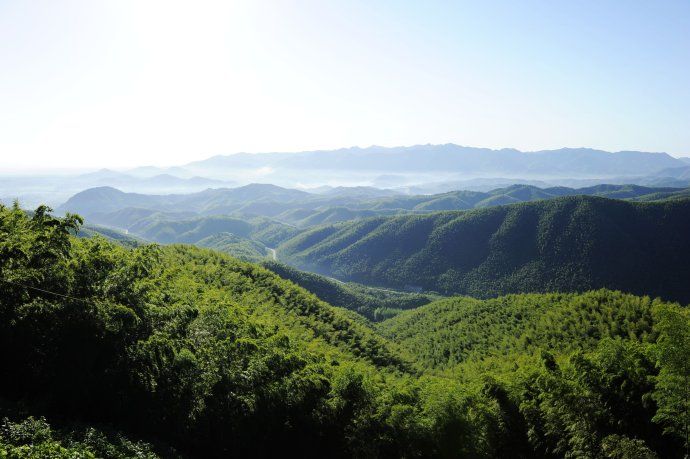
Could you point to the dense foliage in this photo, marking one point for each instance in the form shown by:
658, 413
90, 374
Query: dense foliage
203, 352
565, 244
152, 351
599, 374
445, 333
35, 438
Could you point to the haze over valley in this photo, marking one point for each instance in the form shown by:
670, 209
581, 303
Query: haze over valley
423, 169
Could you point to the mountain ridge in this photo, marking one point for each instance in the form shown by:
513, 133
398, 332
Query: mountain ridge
563, 244
457, 158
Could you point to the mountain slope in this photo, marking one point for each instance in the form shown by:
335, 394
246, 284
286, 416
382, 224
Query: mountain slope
455, 330
175, 343
564, 244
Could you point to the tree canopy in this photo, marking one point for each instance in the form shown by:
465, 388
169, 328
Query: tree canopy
177, 351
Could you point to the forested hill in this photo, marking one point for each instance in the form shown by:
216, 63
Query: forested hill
176, 351
608, 382
457, 330
565, 244
183, 344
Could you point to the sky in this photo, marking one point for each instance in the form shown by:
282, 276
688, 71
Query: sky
123, 83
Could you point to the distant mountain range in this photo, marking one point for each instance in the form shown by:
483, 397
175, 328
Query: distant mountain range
565, 162
165, 180
421, 169
438, 168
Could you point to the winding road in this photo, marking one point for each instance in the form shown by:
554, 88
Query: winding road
272, 253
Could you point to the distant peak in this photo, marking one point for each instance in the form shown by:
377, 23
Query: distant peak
102, 188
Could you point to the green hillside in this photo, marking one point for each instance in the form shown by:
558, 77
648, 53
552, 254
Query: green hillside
182, 344
564, 244
451, 331
178, 351
574, 375
266, 215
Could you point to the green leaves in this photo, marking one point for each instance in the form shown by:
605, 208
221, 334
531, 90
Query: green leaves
672, 351
34, 438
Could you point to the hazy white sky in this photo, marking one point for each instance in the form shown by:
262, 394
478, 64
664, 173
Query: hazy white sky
88, 83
